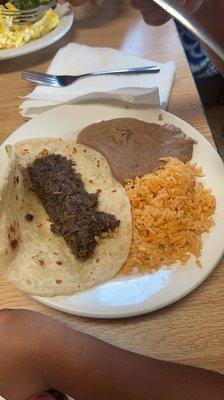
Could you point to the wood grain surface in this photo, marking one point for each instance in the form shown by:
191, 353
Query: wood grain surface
191, 330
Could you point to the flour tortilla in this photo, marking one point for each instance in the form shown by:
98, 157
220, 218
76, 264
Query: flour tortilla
32, 257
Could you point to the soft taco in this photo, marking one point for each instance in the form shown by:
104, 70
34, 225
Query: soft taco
35, 258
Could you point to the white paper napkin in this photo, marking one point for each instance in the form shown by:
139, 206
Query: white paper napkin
75, 59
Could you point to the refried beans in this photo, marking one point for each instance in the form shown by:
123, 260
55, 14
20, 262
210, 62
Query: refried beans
133, 147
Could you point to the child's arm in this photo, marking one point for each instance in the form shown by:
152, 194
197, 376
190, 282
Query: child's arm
43, 354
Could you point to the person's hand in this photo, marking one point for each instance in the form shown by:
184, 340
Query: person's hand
154, 15
24, 338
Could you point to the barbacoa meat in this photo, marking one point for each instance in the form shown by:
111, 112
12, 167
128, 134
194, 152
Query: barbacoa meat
72, 210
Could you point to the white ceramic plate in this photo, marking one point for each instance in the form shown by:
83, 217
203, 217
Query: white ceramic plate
123, 297
66, 16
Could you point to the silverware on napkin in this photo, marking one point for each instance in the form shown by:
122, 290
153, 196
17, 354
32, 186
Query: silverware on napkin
177, 11
66, 80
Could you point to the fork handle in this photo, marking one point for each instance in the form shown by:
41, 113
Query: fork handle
179, 13
152, 69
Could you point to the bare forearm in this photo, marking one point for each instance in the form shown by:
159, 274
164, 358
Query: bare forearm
87, 368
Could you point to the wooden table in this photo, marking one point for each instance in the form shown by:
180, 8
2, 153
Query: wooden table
191, 330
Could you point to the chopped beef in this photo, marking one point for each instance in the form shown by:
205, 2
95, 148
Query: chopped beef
29, 217
72, 210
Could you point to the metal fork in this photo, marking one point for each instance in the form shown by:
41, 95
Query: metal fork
65, 80
30, 15
177, 11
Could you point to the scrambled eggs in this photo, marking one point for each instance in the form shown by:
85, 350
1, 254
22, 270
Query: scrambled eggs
15, 35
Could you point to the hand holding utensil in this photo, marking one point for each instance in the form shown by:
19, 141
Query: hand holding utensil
177, 11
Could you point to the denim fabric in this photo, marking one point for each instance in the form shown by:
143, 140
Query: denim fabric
200, 64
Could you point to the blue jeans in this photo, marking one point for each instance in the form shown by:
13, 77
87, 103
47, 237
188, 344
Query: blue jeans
200, 64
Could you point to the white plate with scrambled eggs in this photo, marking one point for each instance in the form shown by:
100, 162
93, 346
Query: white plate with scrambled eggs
18, 40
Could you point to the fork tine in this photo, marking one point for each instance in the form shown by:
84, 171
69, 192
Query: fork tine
40, 78
27, 19
24, 21
42, 81
10, 14
18, 21
38, 74
19, 13
30, 76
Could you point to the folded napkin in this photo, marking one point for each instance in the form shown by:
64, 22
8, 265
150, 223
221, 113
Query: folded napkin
75, 59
